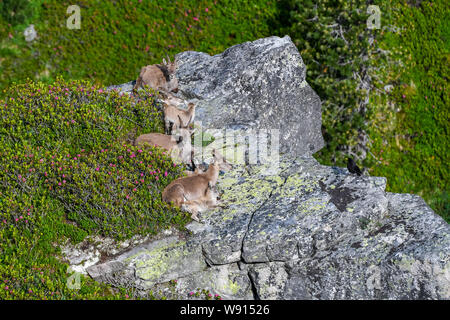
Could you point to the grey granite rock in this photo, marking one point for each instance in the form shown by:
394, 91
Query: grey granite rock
406, 256
154, 262
311, 232
269, 280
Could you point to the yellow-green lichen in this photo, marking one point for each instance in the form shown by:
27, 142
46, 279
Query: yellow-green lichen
158, 261
312, 205
295, 186
248, 194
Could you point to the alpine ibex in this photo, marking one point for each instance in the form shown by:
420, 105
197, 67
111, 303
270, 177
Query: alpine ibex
159, 77
175, 118
179, 148
196, 192
171, 99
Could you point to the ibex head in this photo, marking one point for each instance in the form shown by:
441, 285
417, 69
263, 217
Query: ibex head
172, 85
220, 161
183, 136
169, 64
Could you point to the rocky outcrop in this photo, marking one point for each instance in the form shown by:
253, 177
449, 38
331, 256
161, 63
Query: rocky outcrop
311, 232
255, 85
307, 231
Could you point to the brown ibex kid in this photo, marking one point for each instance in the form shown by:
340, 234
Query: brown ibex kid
196, 192
159, 77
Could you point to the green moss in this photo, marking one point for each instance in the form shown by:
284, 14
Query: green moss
245, 195
313, 205
296, 185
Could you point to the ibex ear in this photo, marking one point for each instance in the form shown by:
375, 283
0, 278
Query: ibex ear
163, 94
164, 62
180, 139
181, 122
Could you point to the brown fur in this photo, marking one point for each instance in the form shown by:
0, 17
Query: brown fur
171, 99
179, 148
196, 171
179, 118
196, 192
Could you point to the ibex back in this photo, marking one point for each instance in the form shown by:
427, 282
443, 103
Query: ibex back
196, 192
159, 77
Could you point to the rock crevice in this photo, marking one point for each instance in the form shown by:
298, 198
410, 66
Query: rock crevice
253, 214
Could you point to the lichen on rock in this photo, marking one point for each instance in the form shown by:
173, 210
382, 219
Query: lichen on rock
305, 231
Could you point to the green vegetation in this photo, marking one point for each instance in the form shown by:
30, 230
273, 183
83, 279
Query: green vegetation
402, 135
410, 125
117, 38
56, 181
16, 12
332, 38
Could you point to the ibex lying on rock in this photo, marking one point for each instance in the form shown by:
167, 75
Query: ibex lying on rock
196, 192
179, 148
159, 77
175, 118
224, 165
